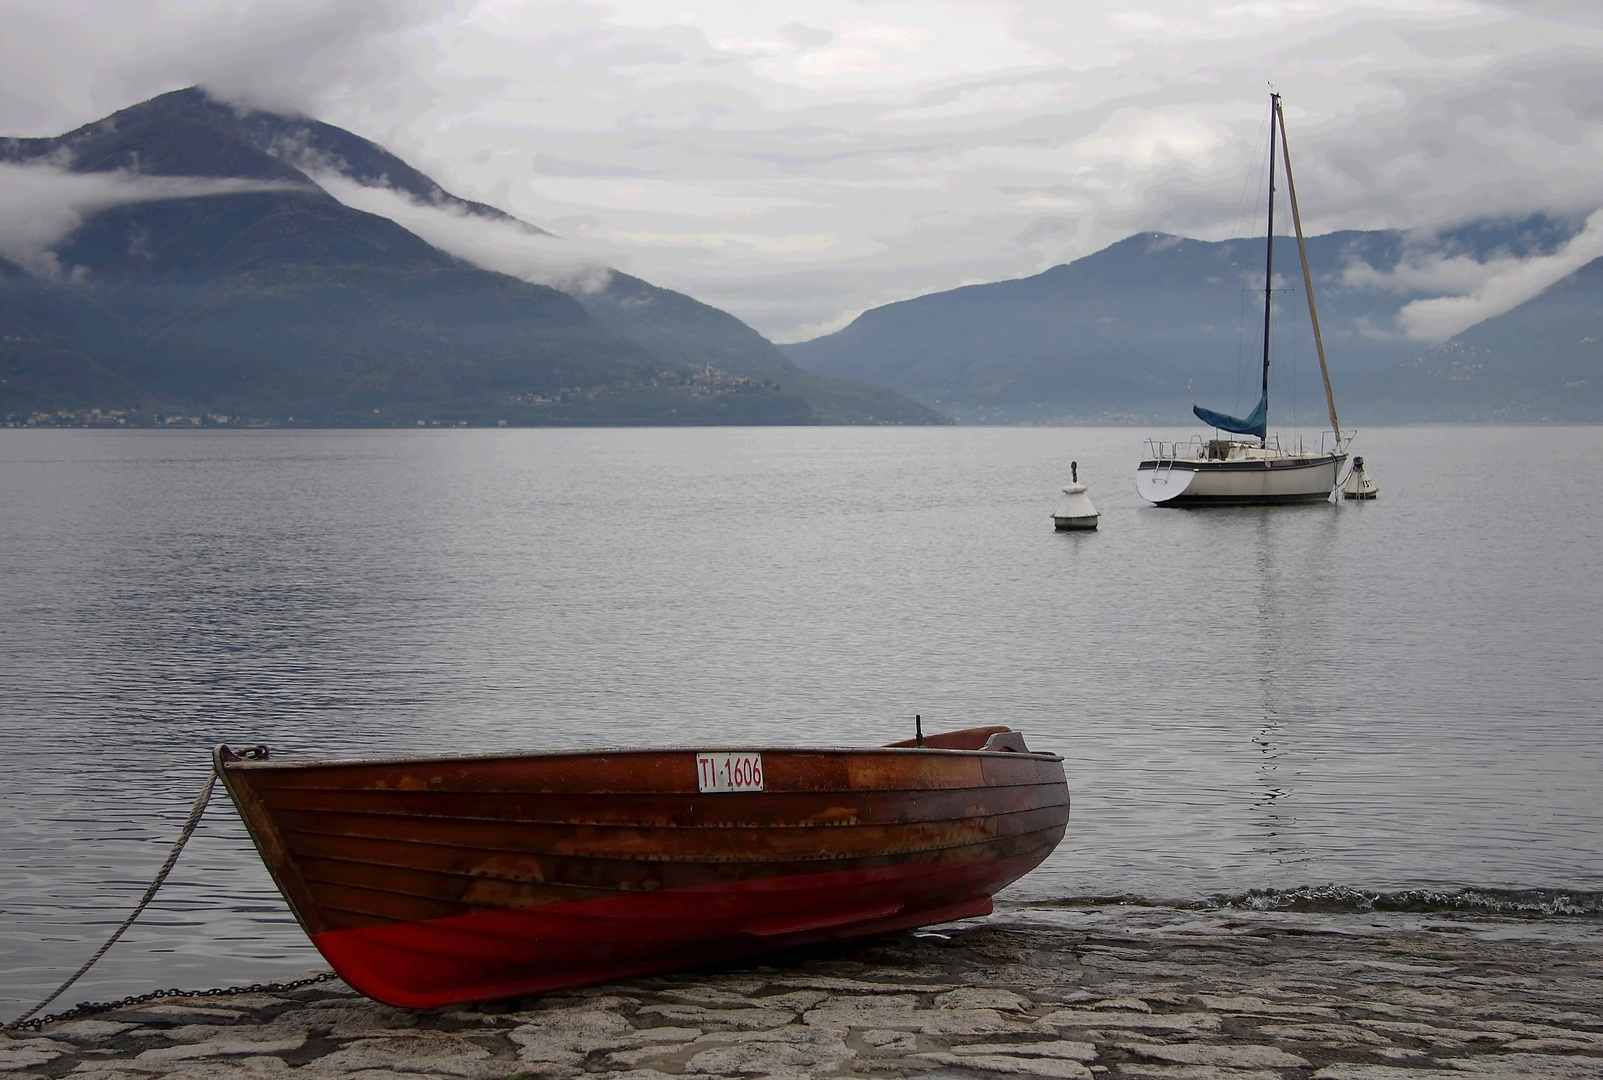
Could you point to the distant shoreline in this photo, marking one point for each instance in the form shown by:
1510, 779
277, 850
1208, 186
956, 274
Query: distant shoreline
1165, 426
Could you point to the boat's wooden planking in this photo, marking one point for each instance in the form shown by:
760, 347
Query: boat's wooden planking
432, 881
364, 844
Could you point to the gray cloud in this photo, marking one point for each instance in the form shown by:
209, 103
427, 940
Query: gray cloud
69, 64
502, 246
546, 165
807, 36
800, 161
42, 204
1472, 290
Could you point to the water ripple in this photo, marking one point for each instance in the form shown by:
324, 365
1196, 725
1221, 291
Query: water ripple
1399, 696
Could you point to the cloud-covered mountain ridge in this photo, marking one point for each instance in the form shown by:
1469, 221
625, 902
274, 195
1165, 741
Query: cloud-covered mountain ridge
180, 258
1464, 323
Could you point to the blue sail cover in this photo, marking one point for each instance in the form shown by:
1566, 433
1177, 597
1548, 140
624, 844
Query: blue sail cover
1256, 423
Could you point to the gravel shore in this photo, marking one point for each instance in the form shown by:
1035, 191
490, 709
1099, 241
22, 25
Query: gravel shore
1082, 993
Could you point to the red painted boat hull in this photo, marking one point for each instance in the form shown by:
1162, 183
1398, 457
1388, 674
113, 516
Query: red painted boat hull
431, 882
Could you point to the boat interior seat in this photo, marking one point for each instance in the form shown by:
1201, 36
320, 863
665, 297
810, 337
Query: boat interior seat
1006, 740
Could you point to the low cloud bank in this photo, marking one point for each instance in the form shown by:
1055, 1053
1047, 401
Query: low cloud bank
42, 204
504, 247
1469, 291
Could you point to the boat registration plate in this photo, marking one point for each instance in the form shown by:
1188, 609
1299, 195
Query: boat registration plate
729, 772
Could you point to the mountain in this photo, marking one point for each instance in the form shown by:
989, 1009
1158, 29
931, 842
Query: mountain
211, 276
1539, 362
188, 133
1145, 327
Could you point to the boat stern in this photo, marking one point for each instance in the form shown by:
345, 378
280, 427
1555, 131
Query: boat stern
1159, 481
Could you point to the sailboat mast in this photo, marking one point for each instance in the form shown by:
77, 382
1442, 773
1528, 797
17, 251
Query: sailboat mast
1269, 263
1307, 277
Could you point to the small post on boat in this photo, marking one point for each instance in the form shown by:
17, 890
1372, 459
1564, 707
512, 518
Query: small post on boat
918, 731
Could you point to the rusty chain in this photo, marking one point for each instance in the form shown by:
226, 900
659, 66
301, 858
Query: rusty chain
90, 1008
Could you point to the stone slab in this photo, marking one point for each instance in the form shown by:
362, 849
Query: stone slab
1087, 995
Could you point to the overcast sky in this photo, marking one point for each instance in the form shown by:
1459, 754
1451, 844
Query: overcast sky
798, 161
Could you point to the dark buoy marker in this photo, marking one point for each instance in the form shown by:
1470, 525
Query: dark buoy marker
1359, 485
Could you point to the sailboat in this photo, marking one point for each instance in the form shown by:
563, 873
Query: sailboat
1242, 472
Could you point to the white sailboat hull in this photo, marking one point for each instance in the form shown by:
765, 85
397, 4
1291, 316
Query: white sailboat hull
1291, 478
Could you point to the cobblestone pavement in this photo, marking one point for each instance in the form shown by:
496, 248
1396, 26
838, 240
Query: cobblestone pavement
1109, 994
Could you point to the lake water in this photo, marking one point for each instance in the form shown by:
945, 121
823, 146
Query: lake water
1395, 695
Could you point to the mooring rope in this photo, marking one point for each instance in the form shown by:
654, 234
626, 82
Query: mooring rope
161, 875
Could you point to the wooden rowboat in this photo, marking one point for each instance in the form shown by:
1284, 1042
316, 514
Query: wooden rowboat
441, 880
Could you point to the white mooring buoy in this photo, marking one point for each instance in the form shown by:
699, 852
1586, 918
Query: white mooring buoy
1359, 485
1074, 510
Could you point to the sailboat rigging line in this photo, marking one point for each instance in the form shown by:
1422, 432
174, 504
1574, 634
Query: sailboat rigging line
1241, 344
1302, 252
1245, 220
161, 875
1246, 225
1289, 357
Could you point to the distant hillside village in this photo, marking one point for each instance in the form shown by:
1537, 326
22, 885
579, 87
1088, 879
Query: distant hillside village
709, 382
